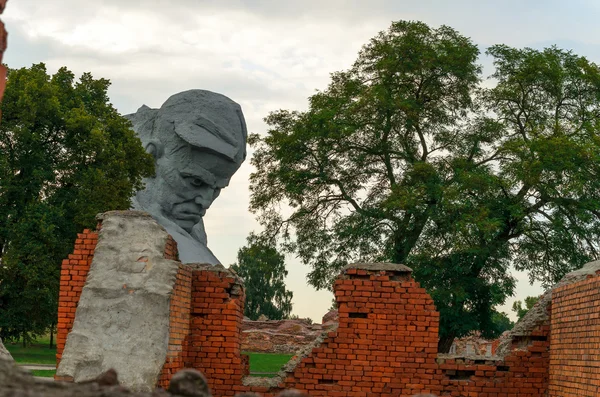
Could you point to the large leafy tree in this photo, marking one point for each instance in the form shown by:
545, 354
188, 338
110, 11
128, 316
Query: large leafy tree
262, 268
65, 155
406, 157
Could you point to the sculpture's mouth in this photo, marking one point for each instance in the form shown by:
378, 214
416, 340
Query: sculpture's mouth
192, 214
189, 211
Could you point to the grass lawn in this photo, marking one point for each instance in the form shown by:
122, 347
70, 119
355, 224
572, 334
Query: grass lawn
44, 373
267, 362
40, 353
37, 353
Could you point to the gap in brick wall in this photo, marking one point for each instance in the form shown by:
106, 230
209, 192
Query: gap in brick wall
502, 368
525, 340
400, 277
327, 382
358, 315
459, 374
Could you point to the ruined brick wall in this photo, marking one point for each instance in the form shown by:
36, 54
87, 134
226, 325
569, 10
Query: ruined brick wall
179, 326
473, 344
73, 274
216, 318
279, 336
386, 345
522, 373
574, 358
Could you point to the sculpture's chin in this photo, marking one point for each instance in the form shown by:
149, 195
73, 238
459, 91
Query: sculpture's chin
188, 224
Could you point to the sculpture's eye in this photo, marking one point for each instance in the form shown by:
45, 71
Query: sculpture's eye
197, 182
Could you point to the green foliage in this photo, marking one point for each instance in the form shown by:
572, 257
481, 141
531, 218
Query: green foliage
405, 157
262, 268
521, 311
501, 323
65, 155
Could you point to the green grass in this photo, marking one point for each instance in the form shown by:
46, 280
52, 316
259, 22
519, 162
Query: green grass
36, 353
45, 373
40, 353
267, 362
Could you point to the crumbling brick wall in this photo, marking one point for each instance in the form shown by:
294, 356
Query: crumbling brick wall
73, 274
574, 358
522, 373
386, 340
179, 329
279, 336
215, 324
386, 345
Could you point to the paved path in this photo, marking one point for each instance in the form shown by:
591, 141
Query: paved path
42, 367
30, 367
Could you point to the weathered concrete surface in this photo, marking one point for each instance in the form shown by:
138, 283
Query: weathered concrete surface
378, 266
198, 141
122, 320
4, 354
14, 382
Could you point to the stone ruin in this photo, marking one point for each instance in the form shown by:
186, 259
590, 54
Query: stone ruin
283, 336
125, 303
4, 354
385, 342
289, 336
279, 336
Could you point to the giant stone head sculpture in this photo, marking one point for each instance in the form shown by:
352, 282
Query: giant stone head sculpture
198, 141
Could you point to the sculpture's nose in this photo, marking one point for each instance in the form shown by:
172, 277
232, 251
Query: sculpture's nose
201, 200
205, 196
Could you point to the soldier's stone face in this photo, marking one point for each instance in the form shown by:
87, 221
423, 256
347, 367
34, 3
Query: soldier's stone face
189, 180
200, 139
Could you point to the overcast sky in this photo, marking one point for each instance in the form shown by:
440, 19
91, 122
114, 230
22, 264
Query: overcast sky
265, 55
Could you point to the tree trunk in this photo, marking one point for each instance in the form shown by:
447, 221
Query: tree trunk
445, 343
406, 236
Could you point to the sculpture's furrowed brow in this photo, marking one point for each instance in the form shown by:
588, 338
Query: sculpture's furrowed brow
199, 173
